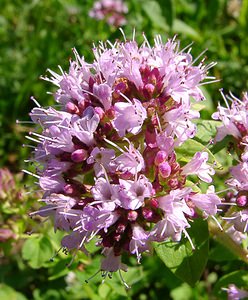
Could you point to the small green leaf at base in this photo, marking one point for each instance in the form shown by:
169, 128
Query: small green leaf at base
186, 263
37, 251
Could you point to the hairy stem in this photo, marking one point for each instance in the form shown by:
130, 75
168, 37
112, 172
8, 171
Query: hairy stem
223, 238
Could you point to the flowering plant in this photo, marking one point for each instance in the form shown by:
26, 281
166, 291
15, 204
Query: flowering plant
112, 11
121, 161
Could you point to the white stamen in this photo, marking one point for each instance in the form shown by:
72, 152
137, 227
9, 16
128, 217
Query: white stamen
114, 145
201, 54
32, 174
123, 281
32, 139
133, 34
189, 239
123, 34
125, 97
208, 82
35, 101
217, 222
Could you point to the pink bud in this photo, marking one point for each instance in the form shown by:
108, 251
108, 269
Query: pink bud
160, 157
79, 155
110, 113
147, 213
164, 169
150, 88
120, 228
72, 108
69, 189
81, 105
100, 112
173, 183
154, 203
132, 215
242, 200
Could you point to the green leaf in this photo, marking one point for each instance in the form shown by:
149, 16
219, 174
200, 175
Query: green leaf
244, 14
37, 251
168, 10
181, 27
186, 263
222, 144
154, 13
206, 130
221, 253
8, 293
239, 278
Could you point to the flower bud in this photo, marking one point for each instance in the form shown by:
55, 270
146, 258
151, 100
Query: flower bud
242, 200
100, 112
150, 88
164, 169
72, 108
69, 189
120, 228
132, 215
79, 155
173, 183
160, 157
147, 213
154, 203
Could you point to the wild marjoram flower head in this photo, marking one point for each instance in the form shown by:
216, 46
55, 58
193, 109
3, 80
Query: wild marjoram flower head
234, 120
107, 160
113, 11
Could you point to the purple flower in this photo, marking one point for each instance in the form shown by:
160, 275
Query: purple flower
130, 161
206, 202
132, 194
103, 93
234, 118
106, 160
112, 11
174, 220
240, 176
102, 158
240, 220
83, 128
235, 293
139, 242
199, 167
129, 117
111, 262
106, 194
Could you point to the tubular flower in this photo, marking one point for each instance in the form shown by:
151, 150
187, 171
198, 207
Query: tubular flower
234, 120
107, 162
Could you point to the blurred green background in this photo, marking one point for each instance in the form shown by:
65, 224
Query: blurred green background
39, 34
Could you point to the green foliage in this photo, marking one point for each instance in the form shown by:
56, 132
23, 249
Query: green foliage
184, 261
37, 251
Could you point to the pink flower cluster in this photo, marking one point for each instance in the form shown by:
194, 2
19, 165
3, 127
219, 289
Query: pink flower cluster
113, 11
234, 120
106, 160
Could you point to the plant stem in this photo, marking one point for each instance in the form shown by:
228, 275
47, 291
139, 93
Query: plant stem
223, 238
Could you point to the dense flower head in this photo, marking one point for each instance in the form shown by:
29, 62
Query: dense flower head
113, 11
107, 161
234, 119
